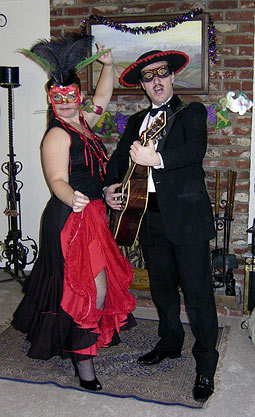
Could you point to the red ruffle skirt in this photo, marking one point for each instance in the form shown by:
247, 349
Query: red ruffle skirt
88, 247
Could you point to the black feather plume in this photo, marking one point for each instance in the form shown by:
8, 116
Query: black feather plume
60, 57
75, 49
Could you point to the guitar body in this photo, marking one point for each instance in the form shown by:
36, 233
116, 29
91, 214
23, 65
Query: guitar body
125, 224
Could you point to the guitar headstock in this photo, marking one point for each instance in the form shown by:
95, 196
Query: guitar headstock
154, 129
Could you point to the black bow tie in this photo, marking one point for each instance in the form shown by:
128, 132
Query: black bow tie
153, 112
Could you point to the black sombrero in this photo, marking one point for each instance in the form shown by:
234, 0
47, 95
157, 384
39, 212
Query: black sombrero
131, 75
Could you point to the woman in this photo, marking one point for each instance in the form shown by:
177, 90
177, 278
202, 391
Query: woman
77, 295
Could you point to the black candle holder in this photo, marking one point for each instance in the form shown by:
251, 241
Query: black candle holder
14, 251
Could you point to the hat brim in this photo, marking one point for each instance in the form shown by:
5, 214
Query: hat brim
131, 75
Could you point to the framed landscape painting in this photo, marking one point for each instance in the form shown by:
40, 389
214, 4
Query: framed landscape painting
190, 37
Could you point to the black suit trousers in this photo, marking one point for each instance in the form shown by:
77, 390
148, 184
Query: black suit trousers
170, 267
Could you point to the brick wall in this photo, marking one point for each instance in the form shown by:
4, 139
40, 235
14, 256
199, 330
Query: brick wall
228, 148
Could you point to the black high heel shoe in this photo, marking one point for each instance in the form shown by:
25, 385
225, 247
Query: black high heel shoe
90, 385
93, 385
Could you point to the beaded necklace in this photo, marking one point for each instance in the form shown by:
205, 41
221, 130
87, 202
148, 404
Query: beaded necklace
90, 149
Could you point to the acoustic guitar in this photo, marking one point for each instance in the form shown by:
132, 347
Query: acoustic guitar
125, 224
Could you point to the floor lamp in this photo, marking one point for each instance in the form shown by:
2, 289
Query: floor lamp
14, 250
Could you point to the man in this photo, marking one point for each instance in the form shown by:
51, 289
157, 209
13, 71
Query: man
178, 222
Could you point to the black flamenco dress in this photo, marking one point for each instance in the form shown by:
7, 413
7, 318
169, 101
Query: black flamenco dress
58, 311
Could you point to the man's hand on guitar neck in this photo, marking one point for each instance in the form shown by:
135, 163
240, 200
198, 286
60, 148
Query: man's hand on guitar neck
144, 155
114, 199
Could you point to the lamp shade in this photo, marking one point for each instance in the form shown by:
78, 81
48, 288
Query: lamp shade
9, 77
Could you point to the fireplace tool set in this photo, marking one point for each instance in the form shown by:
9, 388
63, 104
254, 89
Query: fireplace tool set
224, 262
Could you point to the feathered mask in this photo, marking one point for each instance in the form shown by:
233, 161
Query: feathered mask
64, 57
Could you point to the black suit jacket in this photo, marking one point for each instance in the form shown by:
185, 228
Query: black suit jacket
180, 186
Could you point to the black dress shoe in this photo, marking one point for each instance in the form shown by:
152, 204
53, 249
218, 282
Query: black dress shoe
203, 388
156, 356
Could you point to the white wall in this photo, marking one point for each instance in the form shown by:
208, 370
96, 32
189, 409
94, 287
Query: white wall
27, 21
252, 171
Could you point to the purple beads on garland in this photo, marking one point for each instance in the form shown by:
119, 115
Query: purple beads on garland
139, 30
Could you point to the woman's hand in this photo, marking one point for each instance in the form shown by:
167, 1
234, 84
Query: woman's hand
104, 87
80, 201
107, 58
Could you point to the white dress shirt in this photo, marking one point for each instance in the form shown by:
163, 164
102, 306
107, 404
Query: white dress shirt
147, 122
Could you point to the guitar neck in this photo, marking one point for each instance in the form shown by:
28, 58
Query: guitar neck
128, 174
150, 133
